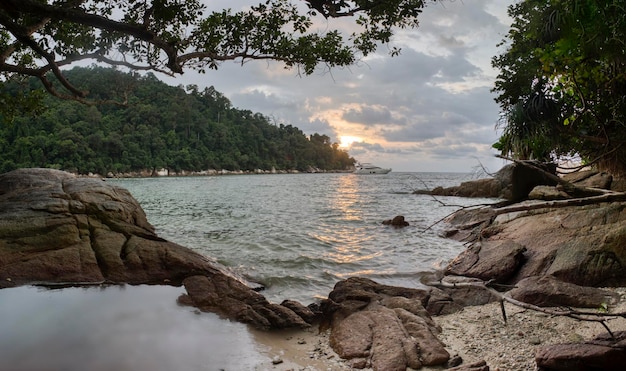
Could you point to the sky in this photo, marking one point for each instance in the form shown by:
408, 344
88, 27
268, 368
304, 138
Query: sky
429, 109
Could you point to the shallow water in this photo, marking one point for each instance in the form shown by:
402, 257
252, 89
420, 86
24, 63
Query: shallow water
298, 234
127, 328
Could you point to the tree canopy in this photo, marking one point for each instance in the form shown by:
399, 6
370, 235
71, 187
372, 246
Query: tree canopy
163, 126
39, 37
562, 82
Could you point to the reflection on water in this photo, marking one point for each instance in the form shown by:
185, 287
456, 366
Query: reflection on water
345, 203
128, 328
346, 199
298, 234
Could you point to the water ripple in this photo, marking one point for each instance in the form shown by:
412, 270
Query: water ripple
298, 234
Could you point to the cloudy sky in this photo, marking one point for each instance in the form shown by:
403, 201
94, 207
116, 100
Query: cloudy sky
429, 109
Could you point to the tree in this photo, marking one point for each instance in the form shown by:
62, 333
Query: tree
562, 82
39, 37
162, 127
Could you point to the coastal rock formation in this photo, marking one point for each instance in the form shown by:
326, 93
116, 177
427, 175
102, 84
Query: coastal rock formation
513, 182
602, 353
383, 327
397, 221
547, 291
583, 245
488, 260
56, 228
206, 292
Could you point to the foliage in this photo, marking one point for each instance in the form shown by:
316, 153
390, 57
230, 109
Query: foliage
38, 37
562, 82
160, 127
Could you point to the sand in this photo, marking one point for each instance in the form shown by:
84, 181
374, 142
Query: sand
476, 333
142, 328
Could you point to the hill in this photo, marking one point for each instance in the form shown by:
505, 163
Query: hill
157, 126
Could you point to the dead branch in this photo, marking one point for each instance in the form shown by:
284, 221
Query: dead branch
607, 197
581, 315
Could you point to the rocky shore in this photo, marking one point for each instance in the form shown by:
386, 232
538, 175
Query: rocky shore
556, 253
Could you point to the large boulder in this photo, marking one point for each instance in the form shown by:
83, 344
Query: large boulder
56, 228
488, 260
603, 353
547, 291
584, 245
383, 327
513, 182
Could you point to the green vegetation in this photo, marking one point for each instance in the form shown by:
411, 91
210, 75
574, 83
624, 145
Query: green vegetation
562, 82
160, 127
37, 37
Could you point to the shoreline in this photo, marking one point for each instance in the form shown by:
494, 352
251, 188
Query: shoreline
80, 320
475, 333
164, 173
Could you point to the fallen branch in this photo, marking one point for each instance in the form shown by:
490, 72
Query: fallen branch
600, 317
607, 197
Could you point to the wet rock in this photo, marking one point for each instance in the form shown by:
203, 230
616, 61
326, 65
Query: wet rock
383, 327
397, 221
56, 228
548, 291
603, 353
487, 260
232, 299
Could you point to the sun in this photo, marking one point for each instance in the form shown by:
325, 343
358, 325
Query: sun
345, 141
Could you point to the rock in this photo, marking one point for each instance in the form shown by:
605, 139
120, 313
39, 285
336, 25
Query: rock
590, 178
82, 230
547, 193
603, 353
513, 182
486, 260
576, 244
546, 291
464, 296
397, 221
56, 228
383, 327
232, 299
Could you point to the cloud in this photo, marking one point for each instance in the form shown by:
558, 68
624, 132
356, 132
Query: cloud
428, 109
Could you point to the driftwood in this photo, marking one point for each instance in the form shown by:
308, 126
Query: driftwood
582, 315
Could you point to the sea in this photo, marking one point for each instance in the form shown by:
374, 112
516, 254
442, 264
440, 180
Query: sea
297, 235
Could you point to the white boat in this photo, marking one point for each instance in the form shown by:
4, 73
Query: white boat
367, 168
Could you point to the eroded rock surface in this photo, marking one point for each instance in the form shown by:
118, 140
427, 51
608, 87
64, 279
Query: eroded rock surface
547, 291
56, 228
584, 245
602, 353
383, 327
513, 182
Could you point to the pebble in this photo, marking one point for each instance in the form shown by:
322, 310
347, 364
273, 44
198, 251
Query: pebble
277, 360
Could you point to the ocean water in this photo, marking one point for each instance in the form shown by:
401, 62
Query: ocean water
299, 234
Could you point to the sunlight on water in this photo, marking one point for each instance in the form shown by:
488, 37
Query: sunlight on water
298, 234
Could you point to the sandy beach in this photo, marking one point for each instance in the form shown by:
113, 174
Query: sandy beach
476, 333
142, 328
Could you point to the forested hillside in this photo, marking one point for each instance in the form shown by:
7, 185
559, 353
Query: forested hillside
158, 126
